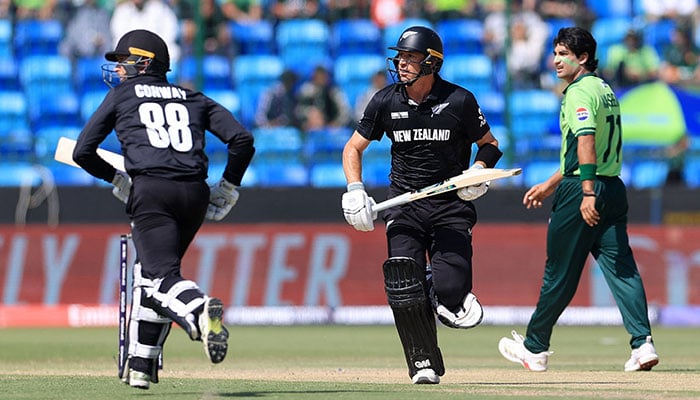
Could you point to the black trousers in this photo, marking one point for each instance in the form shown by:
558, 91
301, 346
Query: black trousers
437, 230
165, 216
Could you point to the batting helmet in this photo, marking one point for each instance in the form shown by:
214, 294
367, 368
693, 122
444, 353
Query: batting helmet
139, 51
423, 40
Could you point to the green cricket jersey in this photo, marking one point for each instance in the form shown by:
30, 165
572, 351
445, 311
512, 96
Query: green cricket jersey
590, 107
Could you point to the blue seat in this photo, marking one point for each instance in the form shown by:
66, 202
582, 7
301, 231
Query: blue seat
280, 174
16, 143
255, 37
33, 37
607, 8
326, 145
18, 173
691, 172
355, 36
461, 36
45, 75
89, 101
214, 70
609, 31
68, 175
492, 104
227, 98
59, 109
357, 68
46, 138
471, 71
392, 33
378, 151
327, 175
13, 110
88, 74
283, 143
9, 74
6, 44
649, 174
302, 44
533, 112
376, 173
252, 74
658, 33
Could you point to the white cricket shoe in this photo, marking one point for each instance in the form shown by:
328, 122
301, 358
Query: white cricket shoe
139, 380
214, 333
425, 376
469, 315
514, 350
643, 358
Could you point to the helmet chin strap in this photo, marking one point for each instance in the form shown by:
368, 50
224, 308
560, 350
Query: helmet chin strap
410, 81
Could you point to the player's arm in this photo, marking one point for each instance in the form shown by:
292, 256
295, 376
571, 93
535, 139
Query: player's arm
352, 157
489, 153
587, 164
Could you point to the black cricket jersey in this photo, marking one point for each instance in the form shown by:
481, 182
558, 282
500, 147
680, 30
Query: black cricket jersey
431, 141
161, 127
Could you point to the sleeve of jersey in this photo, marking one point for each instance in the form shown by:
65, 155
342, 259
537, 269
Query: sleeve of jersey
239, 140
580, 111
95, 131
370, 125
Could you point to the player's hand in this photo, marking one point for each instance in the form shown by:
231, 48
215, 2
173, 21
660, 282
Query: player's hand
588, 211
122, 186
357, 207
471, 193
223, 196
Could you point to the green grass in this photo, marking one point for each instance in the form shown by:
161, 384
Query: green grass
344, 362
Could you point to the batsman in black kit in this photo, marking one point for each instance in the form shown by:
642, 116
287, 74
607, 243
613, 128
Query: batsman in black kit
161, 128
432, 125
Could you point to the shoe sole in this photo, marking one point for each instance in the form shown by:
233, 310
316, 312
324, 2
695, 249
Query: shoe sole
214, 333
648, 365
503, 348
425, 379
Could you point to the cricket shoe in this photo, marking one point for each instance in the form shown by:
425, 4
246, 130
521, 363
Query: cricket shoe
514, 350
214, 333
469, 315
643, 358
425, 376
139, 380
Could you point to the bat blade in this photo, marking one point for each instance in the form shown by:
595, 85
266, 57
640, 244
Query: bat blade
64, 154
467, 178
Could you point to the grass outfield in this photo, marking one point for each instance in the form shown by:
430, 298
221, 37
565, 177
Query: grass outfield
346, 362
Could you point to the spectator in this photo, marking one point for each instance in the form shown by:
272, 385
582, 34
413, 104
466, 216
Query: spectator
680, 59
389, 12
242, 10
632, 62
377, 81
524, 58
438, 10
679, 10
277, 105
35, 9
676, 154
216, 35
346, 9
87, 33
153, 15
294, 9
321, 103
575, 10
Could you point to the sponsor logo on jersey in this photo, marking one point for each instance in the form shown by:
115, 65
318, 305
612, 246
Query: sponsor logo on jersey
582, 113
421, 134
399, 115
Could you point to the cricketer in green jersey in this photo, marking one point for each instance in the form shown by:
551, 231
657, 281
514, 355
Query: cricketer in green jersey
589, 211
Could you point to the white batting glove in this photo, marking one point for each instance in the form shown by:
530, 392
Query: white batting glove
357, 207
122, 186
223, 196
471, 193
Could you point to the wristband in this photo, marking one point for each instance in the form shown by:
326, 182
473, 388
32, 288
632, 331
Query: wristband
585, 194
587, 171
355, 186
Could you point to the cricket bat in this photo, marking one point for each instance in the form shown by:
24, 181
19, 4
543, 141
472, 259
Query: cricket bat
467, 178
64, 154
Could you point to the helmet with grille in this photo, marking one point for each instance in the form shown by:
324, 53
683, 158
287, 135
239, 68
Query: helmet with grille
422, 40
139, 52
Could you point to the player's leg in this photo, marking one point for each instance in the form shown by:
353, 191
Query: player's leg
450, 258
146, 333
413, 317
619, 268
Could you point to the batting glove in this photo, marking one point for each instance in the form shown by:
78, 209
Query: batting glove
223, 196
471, 193
122, 186
357, 207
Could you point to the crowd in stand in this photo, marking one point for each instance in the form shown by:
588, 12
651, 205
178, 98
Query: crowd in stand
516, 41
